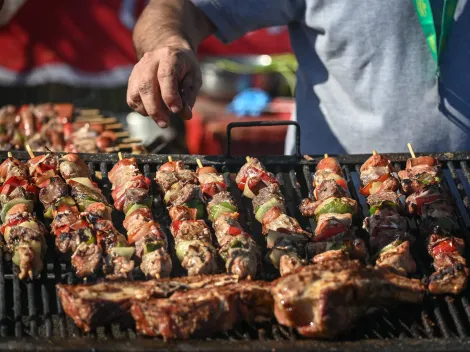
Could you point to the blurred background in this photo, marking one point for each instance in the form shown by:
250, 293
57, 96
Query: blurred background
81, 52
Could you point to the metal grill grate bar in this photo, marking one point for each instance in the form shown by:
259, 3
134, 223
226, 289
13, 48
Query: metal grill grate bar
438, 317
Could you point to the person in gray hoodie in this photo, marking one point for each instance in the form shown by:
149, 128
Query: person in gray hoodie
372, 74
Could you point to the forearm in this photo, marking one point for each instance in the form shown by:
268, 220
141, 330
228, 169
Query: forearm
170, 22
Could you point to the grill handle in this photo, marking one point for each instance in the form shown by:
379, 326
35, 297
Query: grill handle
232, 125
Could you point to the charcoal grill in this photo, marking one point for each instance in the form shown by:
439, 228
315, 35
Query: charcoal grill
31, 317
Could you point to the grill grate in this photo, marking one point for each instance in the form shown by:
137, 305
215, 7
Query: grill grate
32, 309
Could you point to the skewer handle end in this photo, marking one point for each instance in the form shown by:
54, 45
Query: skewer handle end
410, 148
29, 150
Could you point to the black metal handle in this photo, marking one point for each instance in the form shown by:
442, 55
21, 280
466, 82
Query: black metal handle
232, 125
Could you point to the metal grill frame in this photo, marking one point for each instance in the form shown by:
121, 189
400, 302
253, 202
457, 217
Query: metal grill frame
31, 317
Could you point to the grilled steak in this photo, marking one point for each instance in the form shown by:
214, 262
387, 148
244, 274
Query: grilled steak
323, 300
204, 311
93, 305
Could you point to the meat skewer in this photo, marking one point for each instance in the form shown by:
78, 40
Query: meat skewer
389, 238
23, 234
48, 127
193, 240
238, 250
333, 210
74, 236
286, 238
131, 196
431, 203
117, 253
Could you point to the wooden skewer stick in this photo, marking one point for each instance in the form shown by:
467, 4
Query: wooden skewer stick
247, 159
88, 117
29, 150
114, 126
120, 146
374, 152
122, 134
325, 156
89, 112
410, 148
120, 155
170, 159
10, 155
98, 119
132, 140
199, 163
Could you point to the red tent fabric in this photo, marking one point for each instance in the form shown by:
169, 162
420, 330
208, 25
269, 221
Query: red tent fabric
87, 42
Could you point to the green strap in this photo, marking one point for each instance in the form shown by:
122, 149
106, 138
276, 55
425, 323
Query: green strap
424, 11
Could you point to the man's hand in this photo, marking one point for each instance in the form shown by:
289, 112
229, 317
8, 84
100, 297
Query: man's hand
166, 79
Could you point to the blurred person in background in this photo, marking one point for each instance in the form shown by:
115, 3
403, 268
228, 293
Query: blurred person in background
372, 75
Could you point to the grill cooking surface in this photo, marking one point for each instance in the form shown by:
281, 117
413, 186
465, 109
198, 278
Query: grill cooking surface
32, 309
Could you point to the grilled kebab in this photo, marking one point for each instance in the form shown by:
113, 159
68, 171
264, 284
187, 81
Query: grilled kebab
23, 234
193, 240
333, 211
431, 203
238, 250
131, 195
286, 238
389, 238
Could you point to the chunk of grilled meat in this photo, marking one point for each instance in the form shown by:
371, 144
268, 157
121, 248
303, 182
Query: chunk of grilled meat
95, 305
325, 299
374, 167
419, 173
384, 229
398, 258
266, 194
346, 242
451, 272
165, 179
205, 311
86, 259
282, 223
329, 188
187, 193
427, 195
386, 196
73, 166
241, 255
12, 167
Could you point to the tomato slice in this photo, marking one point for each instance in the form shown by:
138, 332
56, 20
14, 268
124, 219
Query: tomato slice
234, 231
175, 226
12, 222
206, 170
329, 230
212, 188
342, 183
271, 215
420, 201
365, 191
446, 246
80, 224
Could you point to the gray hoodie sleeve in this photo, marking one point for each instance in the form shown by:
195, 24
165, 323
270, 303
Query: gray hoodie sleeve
234, 18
